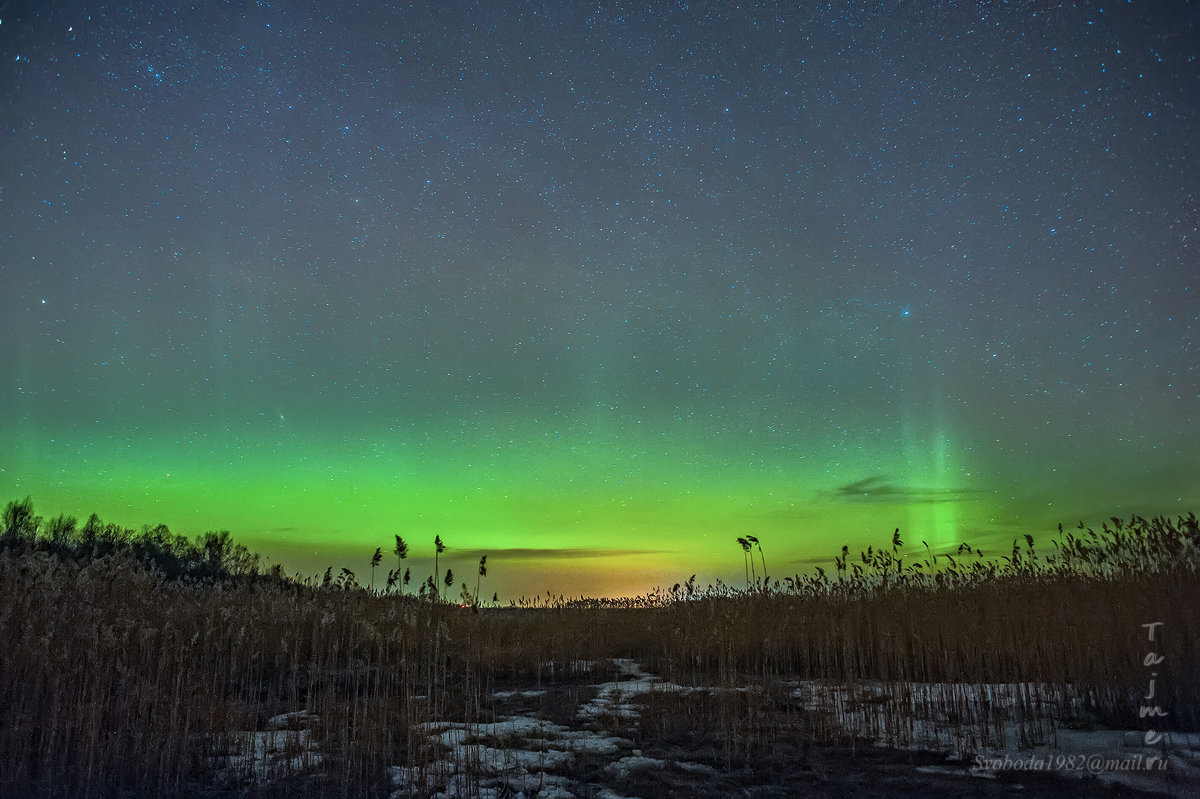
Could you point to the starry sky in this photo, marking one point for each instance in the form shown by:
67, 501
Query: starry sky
595, 288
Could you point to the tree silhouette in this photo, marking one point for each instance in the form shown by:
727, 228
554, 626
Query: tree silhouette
19, 521
61, 529
220, 551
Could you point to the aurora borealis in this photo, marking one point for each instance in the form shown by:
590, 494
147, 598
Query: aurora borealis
595, 288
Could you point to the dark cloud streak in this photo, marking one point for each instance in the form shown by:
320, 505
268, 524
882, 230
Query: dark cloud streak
499, 554
878, 489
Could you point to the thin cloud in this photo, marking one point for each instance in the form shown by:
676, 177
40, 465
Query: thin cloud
821, 560
877, 488
556, 553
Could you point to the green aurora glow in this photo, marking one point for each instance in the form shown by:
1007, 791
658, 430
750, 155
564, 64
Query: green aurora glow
595, 294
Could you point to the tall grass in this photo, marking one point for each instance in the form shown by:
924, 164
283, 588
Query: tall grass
120, 674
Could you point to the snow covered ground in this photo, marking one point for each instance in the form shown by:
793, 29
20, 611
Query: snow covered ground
589, 748
524, 755
974, 724
285, 748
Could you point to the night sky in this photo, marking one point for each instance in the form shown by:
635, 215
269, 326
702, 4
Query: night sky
595, 289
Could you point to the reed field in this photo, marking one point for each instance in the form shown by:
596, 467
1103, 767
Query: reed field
142, 664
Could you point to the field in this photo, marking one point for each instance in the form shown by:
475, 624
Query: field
144, 665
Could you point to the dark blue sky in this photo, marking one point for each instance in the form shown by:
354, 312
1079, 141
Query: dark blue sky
930, 246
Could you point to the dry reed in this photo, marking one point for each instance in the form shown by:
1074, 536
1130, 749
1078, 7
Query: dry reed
120, 679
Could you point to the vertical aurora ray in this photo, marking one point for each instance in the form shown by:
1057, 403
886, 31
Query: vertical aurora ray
933, 514
934, 497
604, 314
925, 496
